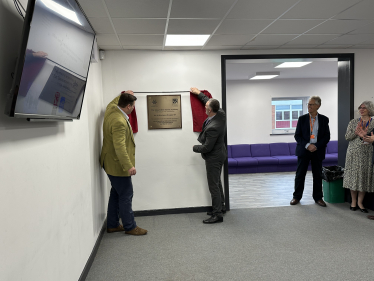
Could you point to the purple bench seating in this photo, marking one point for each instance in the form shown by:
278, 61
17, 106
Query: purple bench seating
273, 157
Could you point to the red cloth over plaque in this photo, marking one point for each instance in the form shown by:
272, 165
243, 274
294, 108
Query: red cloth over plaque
198, 111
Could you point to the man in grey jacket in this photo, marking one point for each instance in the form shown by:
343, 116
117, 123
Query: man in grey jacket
214, 152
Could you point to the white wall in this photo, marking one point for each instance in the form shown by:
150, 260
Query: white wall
169, 173
52, 192
249, 118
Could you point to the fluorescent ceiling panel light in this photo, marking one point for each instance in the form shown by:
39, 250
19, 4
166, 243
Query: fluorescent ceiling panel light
293, 64
264, 75
186, 40
69, 14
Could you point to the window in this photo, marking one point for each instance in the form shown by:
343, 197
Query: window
286, 112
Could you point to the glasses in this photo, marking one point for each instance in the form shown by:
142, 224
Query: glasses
311, 104
361, 107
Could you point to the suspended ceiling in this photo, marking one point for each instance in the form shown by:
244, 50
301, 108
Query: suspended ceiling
233, 24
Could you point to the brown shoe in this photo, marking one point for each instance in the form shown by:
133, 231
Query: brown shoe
294, 201
117, 229
371, 217
321, 203
137, 231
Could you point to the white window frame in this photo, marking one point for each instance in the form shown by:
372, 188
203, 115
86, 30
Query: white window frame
288, 131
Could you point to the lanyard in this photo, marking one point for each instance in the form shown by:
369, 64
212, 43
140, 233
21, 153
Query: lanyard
362, 123
312, 125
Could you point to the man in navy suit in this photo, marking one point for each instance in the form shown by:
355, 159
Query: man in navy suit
312, 135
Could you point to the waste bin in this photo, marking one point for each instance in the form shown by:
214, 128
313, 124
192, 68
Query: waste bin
333, 191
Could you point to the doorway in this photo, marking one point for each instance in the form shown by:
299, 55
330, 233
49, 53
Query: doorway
275, 108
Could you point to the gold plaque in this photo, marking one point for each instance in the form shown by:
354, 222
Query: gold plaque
164, 112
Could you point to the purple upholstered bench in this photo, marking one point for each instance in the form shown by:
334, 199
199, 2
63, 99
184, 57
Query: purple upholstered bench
273, 157
331, 157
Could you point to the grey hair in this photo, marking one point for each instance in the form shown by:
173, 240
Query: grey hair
316, 99
369, 106
214, 105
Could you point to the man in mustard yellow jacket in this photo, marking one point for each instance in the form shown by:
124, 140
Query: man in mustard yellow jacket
118, 160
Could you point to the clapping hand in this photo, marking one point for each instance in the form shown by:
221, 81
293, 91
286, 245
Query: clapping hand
360, 132
369, 139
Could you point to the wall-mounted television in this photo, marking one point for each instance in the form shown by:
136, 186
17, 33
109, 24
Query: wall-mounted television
53, 63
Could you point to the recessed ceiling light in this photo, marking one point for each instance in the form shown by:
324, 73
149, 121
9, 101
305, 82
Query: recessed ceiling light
67, 13
293, 64
264, 75
186, 40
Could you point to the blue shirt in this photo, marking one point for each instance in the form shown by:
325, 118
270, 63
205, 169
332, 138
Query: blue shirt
315, 130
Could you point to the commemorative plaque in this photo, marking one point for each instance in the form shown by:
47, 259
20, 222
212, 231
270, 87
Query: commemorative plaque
164, 112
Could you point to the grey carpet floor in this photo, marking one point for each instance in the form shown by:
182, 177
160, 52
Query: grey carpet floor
303, 242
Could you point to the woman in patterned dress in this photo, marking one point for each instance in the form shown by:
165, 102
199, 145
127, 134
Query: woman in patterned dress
358, 175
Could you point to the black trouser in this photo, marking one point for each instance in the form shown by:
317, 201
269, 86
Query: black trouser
302, 168
213, 172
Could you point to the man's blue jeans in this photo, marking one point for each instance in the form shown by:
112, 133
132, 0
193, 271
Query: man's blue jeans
120, 203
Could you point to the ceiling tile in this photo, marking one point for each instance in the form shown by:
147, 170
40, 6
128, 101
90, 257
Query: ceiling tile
143, 47
93, 8
362, 47
258, 47
338, 26
368, 29
101, 25
196, 26
222, 47
291, 26
139, 26
363, 10
312, 39
107, 39
325, 46
311, 46
141, 40
369, 41
110, 47
229, 40
242, 26
318, 9
260, 9
274, 39
138, 8
200, 9
349, 39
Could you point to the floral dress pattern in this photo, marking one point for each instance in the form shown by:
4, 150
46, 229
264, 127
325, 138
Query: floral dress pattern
358, 174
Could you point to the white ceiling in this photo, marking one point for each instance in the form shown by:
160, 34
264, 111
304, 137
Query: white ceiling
233, 24
319, 68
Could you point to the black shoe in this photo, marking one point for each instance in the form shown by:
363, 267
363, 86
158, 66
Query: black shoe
211, 213
353, 208
214, 219
363, 210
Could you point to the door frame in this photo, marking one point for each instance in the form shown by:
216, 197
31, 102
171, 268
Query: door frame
345, 98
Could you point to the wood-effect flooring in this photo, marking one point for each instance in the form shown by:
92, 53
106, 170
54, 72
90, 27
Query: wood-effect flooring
262, 190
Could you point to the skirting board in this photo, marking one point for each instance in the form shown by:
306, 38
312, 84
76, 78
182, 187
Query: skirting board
93, 253
172, 211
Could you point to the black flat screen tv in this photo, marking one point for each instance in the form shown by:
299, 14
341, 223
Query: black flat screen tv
53, 63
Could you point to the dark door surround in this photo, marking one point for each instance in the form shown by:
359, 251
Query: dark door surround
345, 98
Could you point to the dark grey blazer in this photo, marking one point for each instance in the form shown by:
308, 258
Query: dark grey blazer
212, 136
302, 135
